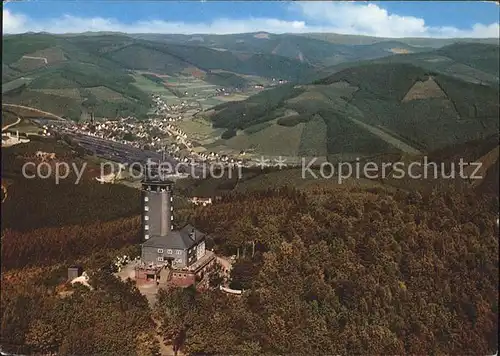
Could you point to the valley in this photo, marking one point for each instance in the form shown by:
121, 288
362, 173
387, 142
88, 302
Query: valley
316, 203
232, 104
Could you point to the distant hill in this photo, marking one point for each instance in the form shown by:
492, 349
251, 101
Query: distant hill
172, 58
473, 62
310, 50
484, 57
71, 75
412, 41
372, 108
484, 151
60, 76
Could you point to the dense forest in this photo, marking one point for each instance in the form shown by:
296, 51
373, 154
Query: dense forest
47, 227
112, 319
257, 109
349, 272
324, 271
43, 203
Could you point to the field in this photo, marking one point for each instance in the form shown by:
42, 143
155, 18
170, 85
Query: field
232, 97
424, 90
199, 129
209, 103
189, 86
149, 86
174, 89
310, 95
104, 93
39, 59
273, 140
313, 140
15, 84
71, 93
29, 63
372, 108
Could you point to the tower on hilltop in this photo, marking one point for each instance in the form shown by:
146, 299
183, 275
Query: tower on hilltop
157, 207
180, 251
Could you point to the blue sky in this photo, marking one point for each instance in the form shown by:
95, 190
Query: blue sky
387, 19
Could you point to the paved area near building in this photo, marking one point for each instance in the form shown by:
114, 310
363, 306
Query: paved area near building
148, 289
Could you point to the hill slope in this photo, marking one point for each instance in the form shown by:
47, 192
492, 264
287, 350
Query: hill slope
72, 75
472, 62
375, 108
411, 41
305, 49
62, 74
38, 70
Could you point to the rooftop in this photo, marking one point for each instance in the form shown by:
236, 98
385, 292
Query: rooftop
157, 181
180, 239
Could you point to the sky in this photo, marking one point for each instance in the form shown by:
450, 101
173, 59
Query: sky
382, 18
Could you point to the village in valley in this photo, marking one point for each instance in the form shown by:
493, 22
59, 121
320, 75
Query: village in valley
160, 133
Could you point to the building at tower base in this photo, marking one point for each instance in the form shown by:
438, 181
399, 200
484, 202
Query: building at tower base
169, 256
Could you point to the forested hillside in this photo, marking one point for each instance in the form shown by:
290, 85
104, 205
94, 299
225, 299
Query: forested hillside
472, 62
47, 227
367, 109
371, 270
339, 272
60, 74
65, 74
308, 50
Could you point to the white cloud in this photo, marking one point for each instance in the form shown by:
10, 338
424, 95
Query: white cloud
13, 23
18, 23
372, 20
334, 17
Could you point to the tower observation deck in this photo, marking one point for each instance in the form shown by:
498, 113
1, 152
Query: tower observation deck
157, 207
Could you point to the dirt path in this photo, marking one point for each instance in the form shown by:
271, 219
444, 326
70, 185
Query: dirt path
388, 138
165, 350
6, 127
4, 189
42, 113
40, 58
